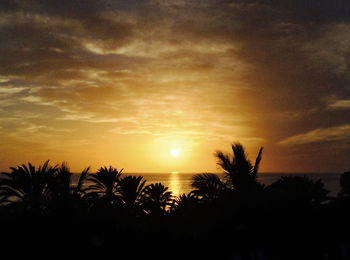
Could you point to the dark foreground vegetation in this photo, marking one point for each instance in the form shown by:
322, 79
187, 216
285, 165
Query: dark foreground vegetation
108, 213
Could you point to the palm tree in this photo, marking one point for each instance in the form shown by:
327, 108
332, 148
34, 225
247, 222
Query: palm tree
28, 186
64, 194
130, 190
207, 186
62, 182
156, 198
184, 204
240, 173
104, 186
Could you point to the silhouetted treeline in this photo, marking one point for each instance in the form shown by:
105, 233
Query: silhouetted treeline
234, 217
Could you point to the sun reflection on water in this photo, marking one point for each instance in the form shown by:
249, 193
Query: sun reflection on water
174, 183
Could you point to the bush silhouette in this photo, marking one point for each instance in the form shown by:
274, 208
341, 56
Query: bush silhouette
299, 191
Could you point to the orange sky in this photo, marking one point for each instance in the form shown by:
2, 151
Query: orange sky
125, 82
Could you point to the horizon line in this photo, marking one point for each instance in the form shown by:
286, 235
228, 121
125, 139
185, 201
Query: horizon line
140, 173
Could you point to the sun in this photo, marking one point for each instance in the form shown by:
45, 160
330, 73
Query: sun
175, 152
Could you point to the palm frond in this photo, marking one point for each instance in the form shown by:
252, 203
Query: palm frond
207, 185
130, 189
82, 179
257, 162
103, 185
238, 170
224, 161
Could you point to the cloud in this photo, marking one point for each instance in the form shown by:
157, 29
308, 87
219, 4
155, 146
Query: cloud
336, 133
10, 90
214, 69
340, 104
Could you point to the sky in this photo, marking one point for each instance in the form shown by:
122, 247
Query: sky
159, 86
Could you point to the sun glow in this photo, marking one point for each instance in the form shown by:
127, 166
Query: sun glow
175, 152
171, 153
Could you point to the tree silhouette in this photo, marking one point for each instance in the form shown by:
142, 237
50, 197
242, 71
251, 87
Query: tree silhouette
66, 197
215, 215
104, 186
207, 186
130, 192
156, 198
62, 183
240, 173
345, 185
28, 186
184, 204
298, 191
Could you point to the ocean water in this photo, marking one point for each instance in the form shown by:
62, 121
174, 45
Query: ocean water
179, 183
330, 180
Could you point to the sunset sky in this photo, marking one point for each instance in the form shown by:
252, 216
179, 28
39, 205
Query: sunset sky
159, 86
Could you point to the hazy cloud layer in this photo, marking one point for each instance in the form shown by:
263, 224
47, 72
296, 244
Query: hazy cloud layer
273, 73
319, 135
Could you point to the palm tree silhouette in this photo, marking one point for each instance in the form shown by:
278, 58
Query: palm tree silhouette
130, 190
62, 184
156, 198
184, 204
207, 186
28, 186
65, 196
104, 186
239, 171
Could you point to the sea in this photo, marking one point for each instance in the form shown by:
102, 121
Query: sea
179, 183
